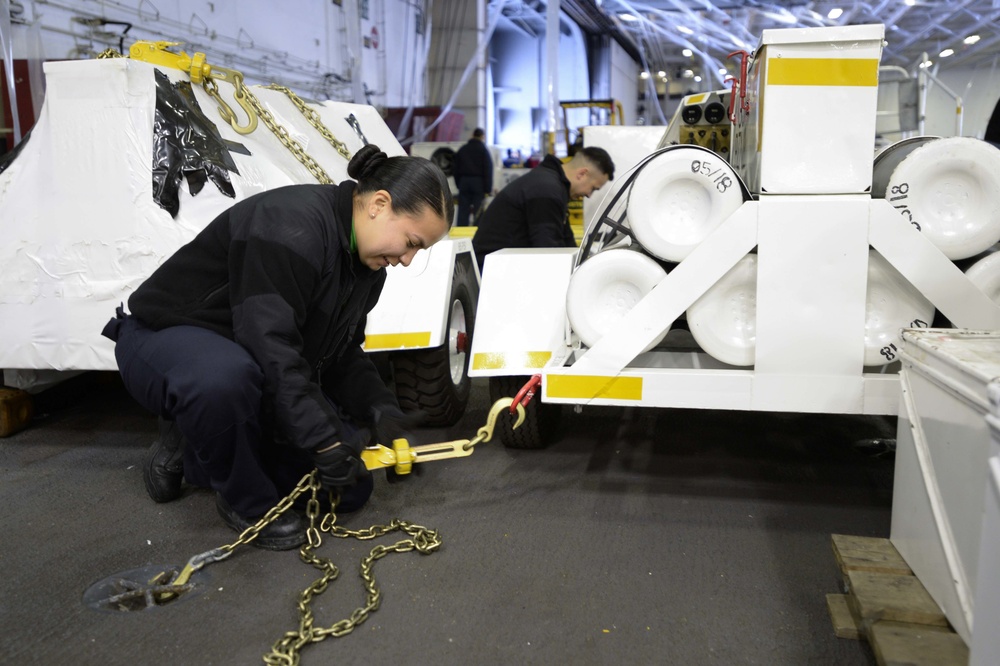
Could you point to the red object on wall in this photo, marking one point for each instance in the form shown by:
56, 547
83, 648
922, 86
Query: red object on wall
25, 109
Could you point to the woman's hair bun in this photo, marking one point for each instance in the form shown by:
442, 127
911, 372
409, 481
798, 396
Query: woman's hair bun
366, 161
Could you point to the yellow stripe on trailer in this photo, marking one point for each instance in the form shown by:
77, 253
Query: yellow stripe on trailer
501, 360
398, 340
587, 387
853, 72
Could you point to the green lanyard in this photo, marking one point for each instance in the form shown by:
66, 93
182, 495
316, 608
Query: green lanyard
354, 240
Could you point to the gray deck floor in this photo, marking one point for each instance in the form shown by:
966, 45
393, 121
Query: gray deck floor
643, 536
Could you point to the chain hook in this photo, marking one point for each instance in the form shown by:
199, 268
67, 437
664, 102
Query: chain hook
239, 94
527, 392
485, 433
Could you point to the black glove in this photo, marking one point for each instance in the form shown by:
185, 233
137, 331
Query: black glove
340, 466
392, 423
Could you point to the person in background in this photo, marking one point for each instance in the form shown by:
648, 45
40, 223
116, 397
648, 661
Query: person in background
513, 159
473, 171
246, 342
532, 211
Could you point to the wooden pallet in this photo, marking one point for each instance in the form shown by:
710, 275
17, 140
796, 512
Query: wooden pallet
887, 605
16, 410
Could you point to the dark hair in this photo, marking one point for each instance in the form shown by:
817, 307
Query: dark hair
600, 158
478, 133
413, 182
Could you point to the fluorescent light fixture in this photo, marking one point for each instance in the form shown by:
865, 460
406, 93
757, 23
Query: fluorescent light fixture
925, 64
687, 53
971, 39
835, 13
686, 30
909, 3
946, 53
627, 17
643, 75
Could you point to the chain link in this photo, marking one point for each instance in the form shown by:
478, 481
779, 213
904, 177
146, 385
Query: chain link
314, 120
311, 165
109, 53
285, 651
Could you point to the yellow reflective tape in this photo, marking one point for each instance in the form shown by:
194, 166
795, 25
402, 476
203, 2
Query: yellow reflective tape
697, 99
501, 360
585, 387
822, 71
398, 340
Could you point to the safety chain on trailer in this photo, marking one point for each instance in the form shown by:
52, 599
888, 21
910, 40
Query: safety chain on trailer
313, 119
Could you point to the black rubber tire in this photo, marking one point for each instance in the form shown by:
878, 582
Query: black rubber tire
542, 422
423, 377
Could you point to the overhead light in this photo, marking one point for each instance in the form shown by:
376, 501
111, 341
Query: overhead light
687, 73
909, 3
687, 53
723, 71
697, 79
946, 53
686, 30
643, 75
971, 39
835, 13
926, 63
661, 74
627, 17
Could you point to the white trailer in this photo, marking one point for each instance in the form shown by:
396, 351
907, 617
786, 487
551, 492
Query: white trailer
82, 230
795, 261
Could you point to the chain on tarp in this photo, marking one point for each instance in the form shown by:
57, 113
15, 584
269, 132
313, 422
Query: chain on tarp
208, 75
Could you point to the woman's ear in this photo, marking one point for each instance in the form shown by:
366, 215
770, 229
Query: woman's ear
378, 202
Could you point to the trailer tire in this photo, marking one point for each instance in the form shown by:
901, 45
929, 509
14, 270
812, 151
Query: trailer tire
542, 422
436, 381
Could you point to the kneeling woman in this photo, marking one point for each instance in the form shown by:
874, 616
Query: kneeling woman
247, 341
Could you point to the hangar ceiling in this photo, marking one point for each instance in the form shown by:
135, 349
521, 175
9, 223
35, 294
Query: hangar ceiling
952, 33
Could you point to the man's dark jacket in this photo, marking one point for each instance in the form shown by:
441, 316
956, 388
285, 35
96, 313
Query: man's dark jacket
530, 212
275, 273
473, 160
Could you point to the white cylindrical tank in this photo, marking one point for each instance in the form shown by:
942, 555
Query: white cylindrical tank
891, 304
679, 198
605, 287
985, 274
950, 190
724, 320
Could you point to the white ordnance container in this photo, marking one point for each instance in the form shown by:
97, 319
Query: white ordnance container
949, 189
724, 320
942, 476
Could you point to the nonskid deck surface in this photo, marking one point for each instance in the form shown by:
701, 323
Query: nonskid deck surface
652, 536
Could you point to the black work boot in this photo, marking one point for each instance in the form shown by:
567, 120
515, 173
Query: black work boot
163, 468
287, 531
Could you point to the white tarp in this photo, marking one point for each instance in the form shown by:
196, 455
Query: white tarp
80, 229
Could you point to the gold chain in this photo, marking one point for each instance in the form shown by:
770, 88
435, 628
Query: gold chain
314, 120
285, 651
282, 134
109, 53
